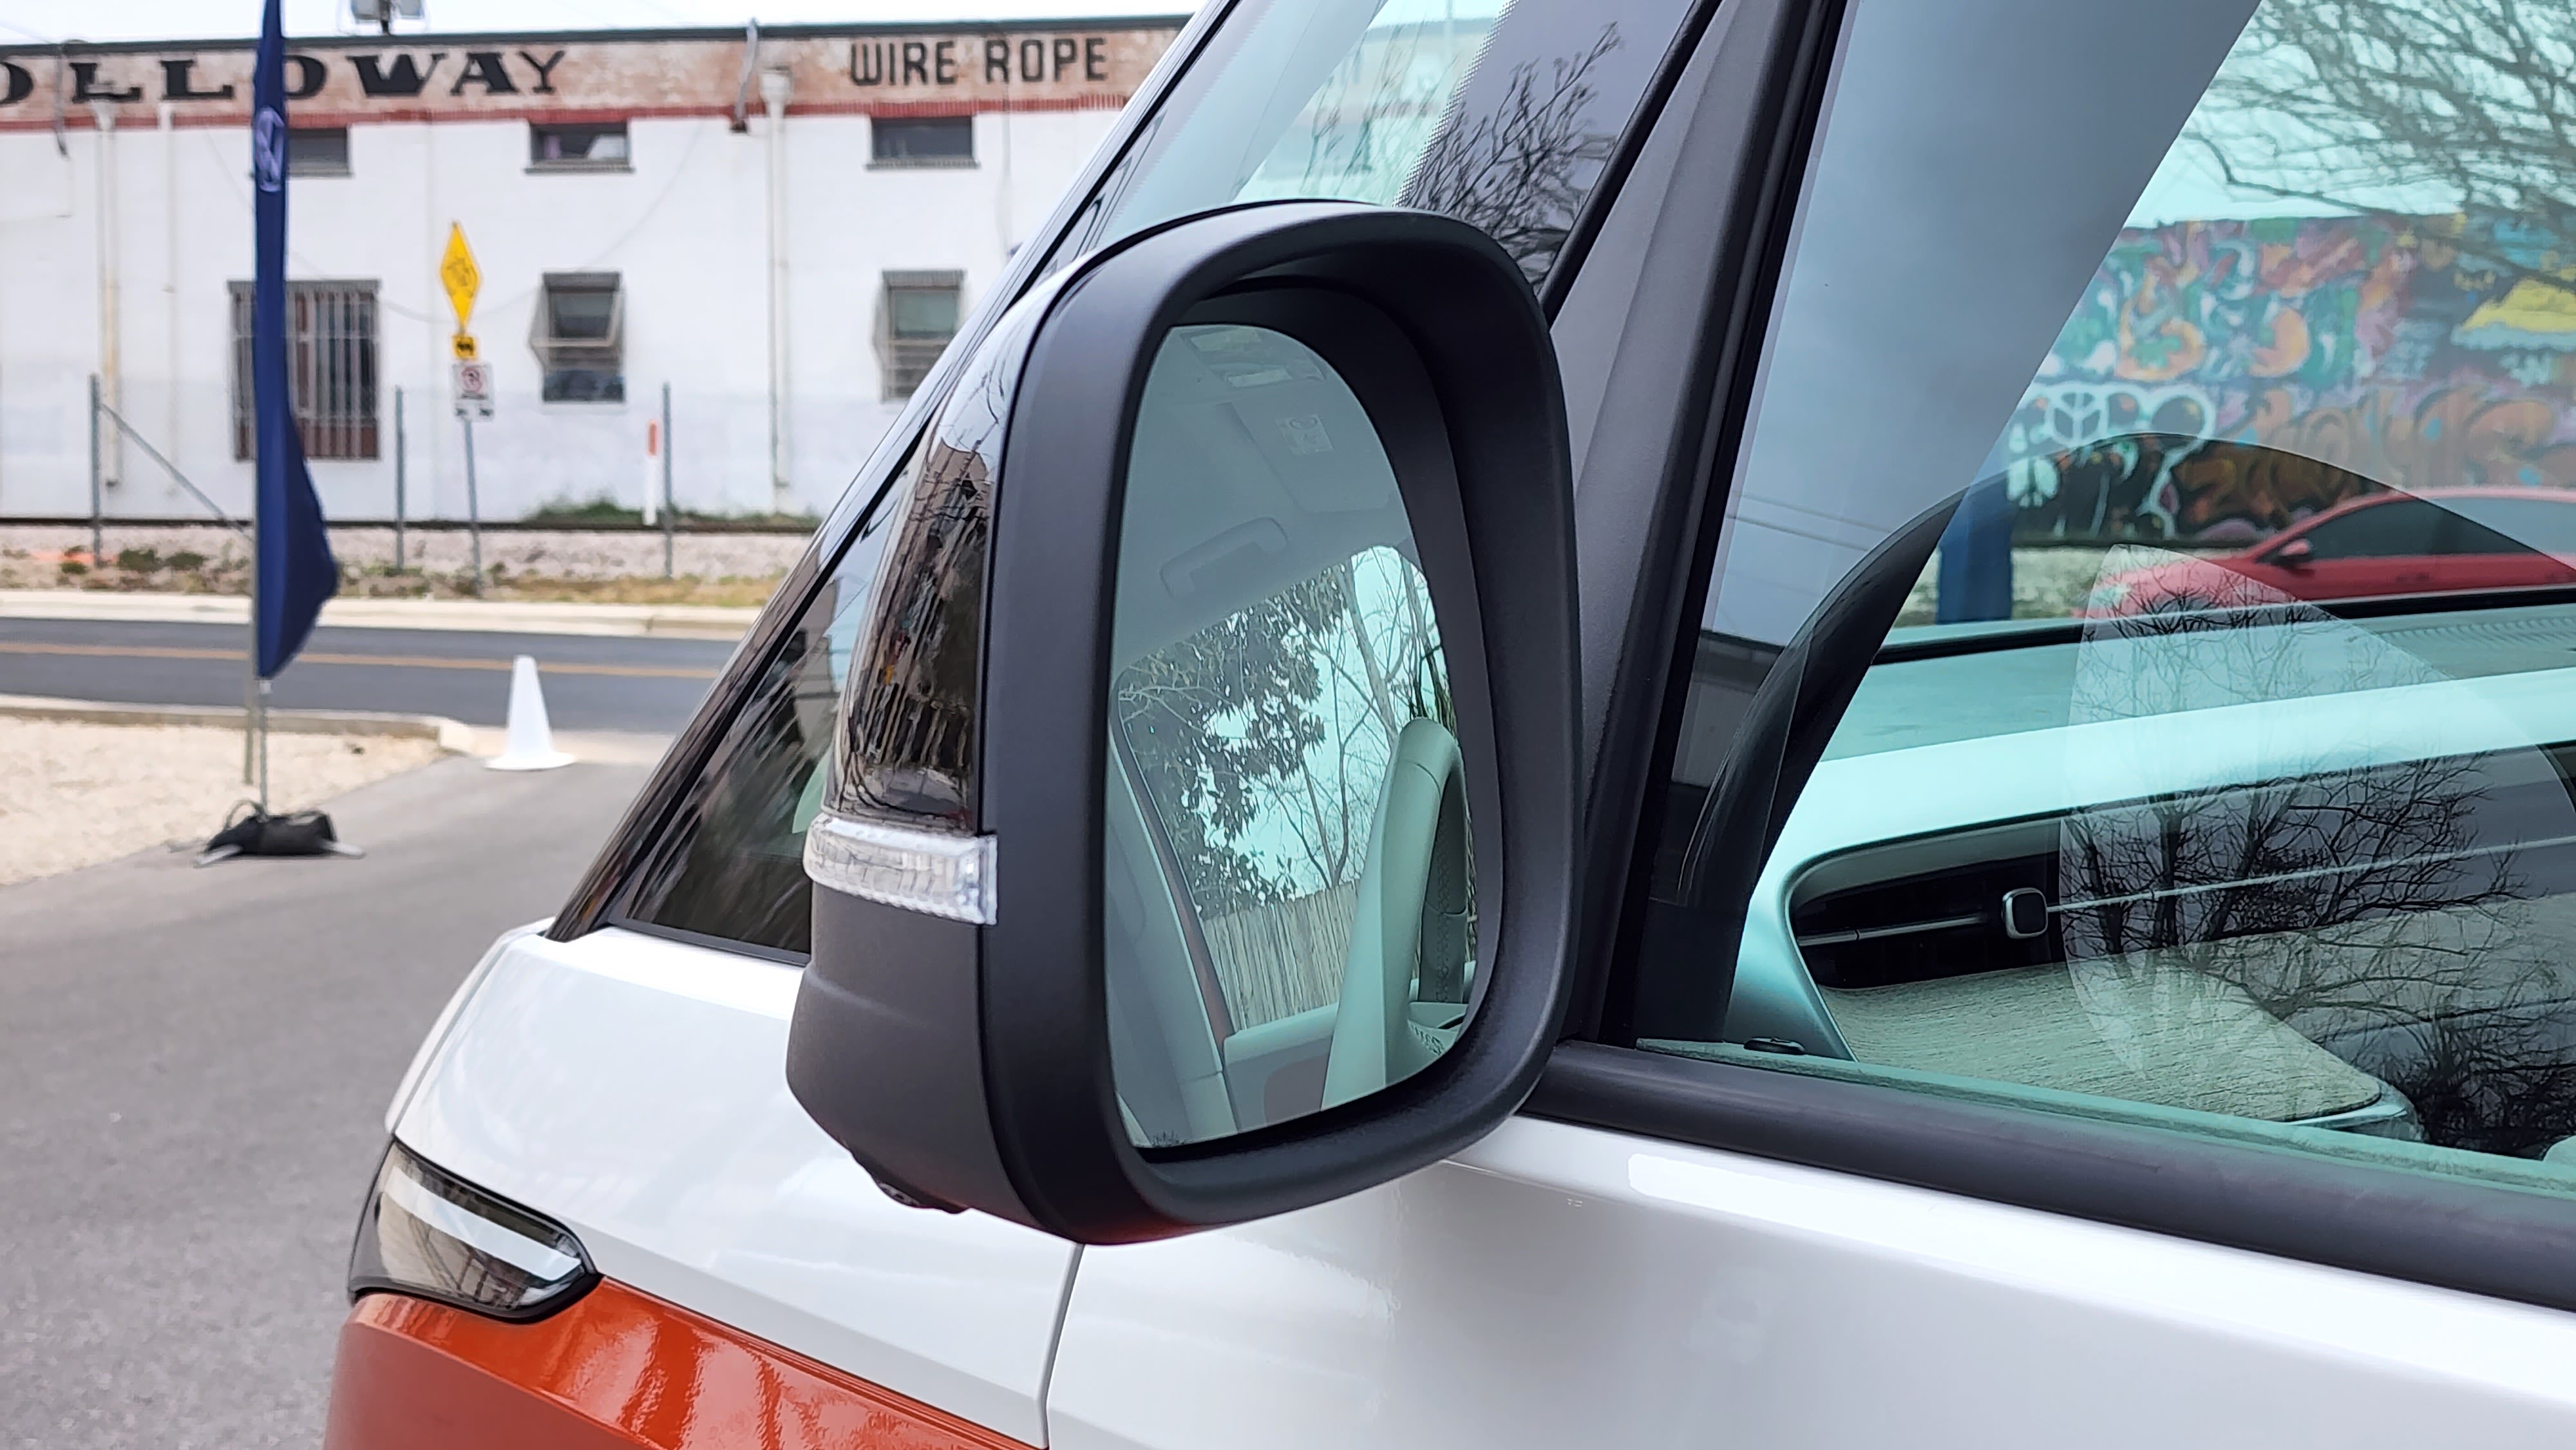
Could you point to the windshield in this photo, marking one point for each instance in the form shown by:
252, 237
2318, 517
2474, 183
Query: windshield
1501, 114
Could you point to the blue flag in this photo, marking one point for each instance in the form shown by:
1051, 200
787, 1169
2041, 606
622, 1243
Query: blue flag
294, 571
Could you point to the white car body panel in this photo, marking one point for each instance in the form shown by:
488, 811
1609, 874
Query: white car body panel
1558, 1285
634, 1089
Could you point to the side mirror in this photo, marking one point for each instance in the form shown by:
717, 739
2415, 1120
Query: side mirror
2295, 554
1199, 838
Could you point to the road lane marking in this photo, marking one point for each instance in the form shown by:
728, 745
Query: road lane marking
394, 662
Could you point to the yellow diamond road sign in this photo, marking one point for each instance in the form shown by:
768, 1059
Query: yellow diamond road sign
461, 277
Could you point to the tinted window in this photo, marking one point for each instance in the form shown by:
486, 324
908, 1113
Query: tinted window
922, 140
317, 151
574, 147
2381, 531
580, 338
2515, 525
730, 864
2283, 874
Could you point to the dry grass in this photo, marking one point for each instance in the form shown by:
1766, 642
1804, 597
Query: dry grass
548, 566
81, 793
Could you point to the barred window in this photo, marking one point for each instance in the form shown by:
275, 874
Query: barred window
331, 368
914, 323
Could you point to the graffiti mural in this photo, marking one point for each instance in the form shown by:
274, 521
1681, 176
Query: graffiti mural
2221, 380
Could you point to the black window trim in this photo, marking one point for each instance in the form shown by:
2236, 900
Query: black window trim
732, 946
2479, 1238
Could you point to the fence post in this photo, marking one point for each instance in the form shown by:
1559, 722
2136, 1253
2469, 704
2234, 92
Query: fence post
97, 495
670, 510
398, 480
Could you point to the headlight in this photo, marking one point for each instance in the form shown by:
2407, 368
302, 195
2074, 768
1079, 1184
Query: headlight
427, 1233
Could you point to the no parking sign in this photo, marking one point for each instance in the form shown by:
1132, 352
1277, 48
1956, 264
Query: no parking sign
473, 388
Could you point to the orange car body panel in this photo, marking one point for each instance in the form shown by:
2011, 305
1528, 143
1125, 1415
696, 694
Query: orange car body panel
615, 1370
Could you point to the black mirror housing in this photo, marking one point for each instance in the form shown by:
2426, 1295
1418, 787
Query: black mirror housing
965, 1057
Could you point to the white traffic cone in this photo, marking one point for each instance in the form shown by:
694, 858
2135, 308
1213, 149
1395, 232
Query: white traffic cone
531, 745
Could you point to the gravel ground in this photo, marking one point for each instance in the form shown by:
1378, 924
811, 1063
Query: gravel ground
81, 793
32, 555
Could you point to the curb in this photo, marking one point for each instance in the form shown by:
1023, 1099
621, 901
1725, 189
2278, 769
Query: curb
454, 736
670, 621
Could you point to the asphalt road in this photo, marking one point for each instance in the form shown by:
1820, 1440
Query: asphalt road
194, 1068
645, 684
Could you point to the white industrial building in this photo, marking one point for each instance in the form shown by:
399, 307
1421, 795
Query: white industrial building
781, 227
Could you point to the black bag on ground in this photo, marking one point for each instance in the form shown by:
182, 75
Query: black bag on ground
259, 833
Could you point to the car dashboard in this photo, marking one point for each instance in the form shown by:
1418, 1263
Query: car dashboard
2311, 876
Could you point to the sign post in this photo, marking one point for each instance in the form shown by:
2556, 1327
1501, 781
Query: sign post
670, 507
400, 462
473, 400
473, 377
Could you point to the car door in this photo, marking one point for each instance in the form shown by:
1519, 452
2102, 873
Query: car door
2110, 1033
621, 1070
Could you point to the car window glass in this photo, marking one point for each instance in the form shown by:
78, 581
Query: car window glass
729, 865
1290, 917
2492, 524
1498, 114
2085, 808
2393, 530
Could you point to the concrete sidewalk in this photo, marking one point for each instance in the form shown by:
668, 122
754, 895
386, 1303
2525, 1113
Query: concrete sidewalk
600, 747
679, 621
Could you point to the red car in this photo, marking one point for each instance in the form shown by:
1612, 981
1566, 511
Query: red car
2441, 541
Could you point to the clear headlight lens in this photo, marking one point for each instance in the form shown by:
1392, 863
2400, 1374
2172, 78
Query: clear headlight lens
427, 1233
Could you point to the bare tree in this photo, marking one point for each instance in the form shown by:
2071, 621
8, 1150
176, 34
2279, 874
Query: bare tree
2409, 916
1520, 170
2353, 102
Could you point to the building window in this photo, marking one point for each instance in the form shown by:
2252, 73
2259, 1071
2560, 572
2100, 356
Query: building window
577, 148
914, 323
331, 368
580, 338
922, 140
317, 151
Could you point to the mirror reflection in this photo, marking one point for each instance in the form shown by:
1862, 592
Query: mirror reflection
1291, 903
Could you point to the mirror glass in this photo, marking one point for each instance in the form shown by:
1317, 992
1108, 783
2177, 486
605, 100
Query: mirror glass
1291, 904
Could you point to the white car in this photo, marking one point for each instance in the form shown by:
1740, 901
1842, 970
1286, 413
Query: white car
1405, 811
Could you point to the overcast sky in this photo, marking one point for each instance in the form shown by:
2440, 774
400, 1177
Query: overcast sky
24, 21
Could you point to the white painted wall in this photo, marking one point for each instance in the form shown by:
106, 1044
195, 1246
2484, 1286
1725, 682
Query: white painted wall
685, 228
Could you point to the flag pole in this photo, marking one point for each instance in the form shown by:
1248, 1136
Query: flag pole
252, 723
292, 570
